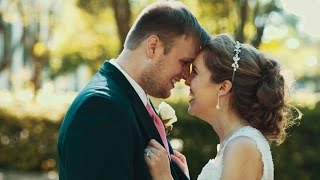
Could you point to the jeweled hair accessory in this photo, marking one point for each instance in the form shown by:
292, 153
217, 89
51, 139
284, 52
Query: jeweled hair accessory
236, 58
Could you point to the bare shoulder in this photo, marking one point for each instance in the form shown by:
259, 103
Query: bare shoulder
242, 159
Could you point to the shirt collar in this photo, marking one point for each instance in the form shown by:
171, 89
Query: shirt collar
134, 84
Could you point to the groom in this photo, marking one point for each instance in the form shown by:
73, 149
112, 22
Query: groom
108, 126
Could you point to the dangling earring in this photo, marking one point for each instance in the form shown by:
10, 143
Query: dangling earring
218, 103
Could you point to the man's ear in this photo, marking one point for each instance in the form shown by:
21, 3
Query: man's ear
153, 44
225, 87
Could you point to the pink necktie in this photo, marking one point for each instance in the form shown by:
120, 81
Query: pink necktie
159, 125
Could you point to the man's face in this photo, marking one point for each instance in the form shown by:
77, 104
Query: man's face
159, 78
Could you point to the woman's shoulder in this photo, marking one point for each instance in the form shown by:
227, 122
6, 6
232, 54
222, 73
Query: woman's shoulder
242, 151
248, 148
248, 140
242, 147
249, 134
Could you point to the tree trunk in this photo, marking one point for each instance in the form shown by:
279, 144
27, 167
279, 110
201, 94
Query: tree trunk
123, 15
243, 20
5, 29
36, 76
259, 28
6, 61
257, 41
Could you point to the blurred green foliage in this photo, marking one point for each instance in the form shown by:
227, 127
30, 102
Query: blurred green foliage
298, 157
29, 142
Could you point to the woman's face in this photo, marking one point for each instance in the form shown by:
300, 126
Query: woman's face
203, 92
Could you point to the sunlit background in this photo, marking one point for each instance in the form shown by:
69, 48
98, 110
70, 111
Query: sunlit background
51, 48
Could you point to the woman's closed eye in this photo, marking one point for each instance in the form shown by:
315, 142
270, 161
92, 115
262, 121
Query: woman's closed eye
194, 71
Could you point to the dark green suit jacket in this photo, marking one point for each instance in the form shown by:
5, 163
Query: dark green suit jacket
105, 132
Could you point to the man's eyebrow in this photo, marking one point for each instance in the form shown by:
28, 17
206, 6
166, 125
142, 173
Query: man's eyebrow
187, 59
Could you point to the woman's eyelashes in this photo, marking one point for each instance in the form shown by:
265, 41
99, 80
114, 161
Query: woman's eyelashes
194, 71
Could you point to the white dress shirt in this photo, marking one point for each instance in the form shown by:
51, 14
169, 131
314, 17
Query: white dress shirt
134, 84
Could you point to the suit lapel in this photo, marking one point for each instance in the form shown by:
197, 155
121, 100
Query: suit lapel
144, 120
147, 127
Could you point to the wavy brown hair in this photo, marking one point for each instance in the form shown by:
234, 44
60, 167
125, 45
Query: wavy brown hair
168, 20
258, 92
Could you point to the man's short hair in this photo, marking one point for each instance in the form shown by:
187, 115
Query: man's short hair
167, 20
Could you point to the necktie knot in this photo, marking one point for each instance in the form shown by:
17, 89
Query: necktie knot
150, 110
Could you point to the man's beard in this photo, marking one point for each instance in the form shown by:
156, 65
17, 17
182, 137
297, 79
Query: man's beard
152, 83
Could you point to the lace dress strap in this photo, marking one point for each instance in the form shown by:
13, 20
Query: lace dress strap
262, 145
213, 169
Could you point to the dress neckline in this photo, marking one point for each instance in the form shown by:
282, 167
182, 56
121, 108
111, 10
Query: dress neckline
225, 141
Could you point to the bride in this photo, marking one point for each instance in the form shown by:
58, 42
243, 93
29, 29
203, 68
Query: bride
241, 94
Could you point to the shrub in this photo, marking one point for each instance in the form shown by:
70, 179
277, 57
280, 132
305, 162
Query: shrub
28, 142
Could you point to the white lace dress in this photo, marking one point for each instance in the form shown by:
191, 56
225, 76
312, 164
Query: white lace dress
213, 169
